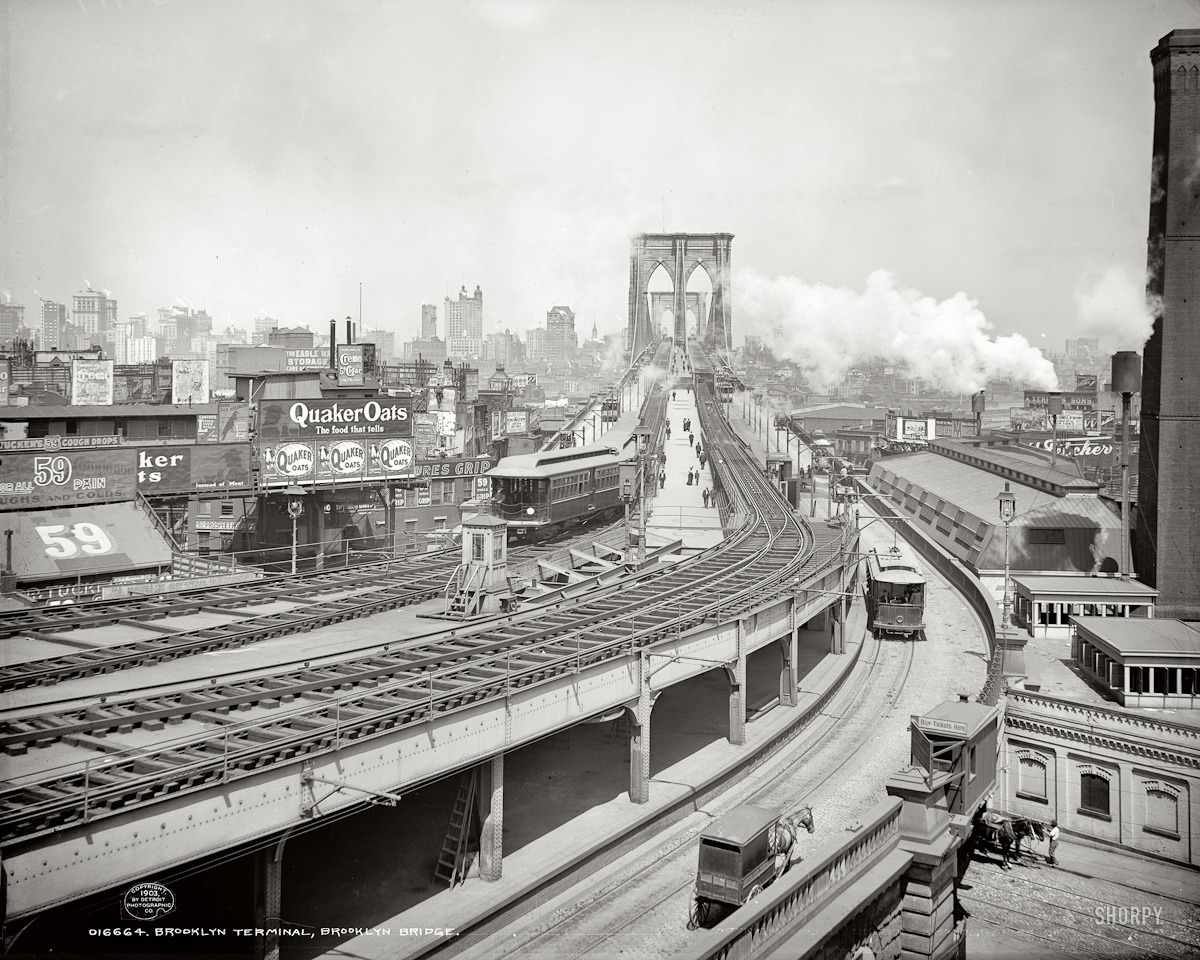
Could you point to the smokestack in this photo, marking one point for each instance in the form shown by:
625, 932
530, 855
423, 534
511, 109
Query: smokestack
332, 344
349, 331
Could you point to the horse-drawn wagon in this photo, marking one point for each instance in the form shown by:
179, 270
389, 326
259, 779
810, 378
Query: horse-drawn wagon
742, 853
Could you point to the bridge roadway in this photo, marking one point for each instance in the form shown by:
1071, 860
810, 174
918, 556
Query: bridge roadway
437, 706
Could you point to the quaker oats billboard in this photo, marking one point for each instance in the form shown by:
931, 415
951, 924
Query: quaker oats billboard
335, 461
384, 417
91, 383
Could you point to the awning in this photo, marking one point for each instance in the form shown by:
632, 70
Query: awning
84, 541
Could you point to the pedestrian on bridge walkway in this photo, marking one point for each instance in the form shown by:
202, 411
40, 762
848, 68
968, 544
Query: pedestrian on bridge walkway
705, 496
691, 438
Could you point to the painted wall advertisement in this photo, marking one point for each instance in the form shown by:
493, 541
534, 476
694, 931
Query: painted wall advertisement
450, 468
300, 360
5, 379
70, 475
334, 419
189, 381
424, 435
335, 460
91, 382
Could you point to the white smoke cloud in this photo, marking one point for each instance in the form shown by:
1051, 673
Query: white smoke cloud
827, 330
1117, 309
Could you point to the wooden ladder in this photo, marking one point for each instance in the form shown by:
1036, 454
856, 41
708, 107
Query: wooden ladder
452, 864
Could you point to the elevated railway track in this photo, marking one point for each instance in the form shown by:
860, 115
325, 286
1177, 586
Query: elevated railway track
230, 729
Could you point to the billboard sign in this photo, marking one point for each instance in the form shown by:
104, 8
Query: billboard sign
56, 442
230, 424
30, 480
299, 419
189, 381
5, 380
91, 383
350, 365
335, 461
516, 421
180, 469
1086, 383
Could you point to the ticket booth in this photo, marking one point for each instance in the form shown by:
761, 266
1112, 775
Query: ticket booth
480, 585
961, 739
779, 470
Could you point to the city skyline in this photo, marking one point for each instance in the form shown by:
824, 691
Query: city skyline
518, 146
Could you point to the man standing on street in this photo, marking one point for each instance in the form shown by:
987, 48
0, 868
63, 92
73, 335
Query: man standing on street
1053, 842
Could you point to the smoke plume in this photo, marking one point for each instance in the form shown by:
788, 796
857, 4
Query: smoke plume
1117, 309
827, 330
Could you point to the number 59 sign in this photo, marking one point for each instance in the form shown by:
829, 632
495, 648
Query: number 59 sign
63, 541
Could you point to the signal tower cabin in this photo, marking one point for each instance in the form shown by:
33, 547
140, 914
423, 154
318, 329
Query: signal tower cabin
480, 584
958, 741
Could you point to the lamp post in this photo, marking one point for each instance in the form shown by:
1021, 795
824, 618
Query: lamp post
1054, 407
1008, 510
641, 437
295, 498
1126, 380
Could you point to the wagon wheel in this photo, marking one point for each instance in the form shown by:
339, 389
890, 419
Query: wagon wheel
754, 891
698, 915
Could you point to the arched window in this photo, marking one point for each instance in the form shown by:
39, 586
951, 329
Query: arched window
1162, 809
1031, 777
1093, 795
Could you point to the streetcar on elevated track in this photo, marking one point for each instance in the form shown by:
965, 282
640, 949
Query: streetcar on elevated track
895, 593
541, 494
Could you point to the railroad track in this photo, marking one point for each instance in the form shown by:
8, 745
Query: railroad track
387, 587
306, 712
669, 871
204, 599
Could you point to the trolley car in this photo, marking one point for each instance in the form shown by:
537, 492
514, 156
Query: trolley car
540, 494
610, 409
895, 594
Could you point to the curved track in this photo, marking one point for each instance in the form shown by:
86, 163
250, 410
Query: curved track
304, 712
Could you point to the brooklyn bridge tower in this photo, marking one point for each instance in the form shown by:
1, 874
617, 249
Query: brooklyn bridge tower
680, 255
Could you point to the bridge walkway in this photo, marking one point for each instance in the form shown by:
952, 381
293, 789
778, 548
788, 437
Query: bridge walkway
678, 511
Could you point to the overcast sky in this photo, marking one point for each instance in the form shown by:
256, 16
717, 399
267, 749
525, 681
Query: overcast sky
265, 157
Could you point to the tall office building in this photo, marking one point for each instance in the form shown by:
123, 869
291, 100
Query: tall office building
429, 321
464, 316
54, 319
561, 339
1168, 529
94, 312
12, 318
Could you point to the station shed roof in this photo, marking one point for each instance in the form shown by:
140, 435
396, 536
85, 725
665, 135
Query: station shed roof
1138, 639
1104, 589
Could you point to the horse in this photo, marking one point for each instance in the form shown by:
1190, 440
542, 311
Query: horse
783, 846
1028, 829
998, 831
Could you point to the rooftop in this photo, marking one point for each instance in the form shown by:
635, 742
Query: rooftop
109, 412
1042, 584
741, 824
1144, 636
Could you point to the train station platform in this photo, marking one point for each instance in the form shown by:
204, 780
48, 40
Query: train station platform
678, 511
614, 828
